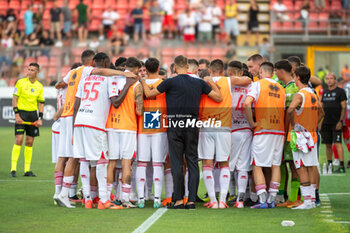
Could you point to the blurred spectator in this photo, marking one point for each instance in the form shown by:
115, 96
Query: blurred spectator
280, 10
83, 16
319, 4
204, 26
253, 23
168, 21
231, 22
304, 15
108, 22
216, 12
117, 42
94, 44
195, 4
45, 39
55, 28
230, 54
334, 26
203, 64
187, 23
137, 15
67, 19
18, 38
345, 73
28, 20
163, 73
156, 14
11, 21
6, 41
38, 20
32, 41
265, 49
153, 43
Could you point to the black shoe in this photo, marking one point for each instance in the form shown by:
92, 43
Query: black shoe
30, 173
340, 170
176, 207
13, 173
190, 206
75, 199
249, 202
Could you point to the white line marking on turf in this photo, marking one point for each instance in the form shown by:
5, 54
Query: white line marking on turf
328, 214
330, 194
342, 222
326, 211
29, 180
150, 221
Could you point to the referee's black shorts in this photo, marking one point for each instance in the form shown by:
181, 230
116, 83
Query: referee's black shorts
30, 130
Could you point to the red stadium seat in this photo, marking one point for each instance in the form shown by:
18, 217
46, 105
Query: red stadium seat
94, 25
54, 61
217, 53
76, 52
52, 72
43, 61
324, 18
204, 52
98, 5
129, 52
4, 5
28, 60
167, 52
14, 4
64, 71
313, 25
96, 13
192, 52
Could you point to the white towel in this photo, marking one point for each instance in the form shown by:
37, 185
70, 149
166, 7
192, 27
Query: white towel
305, 142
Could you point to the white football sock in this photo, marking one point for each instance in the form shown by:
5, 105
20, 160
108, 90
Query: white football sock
126, 189
224, 182
58, 182
116, 182
274, 186
73, 190
242, 184
141, 179
93, 192
313, 192
209, 182
261, 192
158, 179
67, 182
133, 179
169, 185
306, 193
85, 178
186, 183
101, 174
109, 191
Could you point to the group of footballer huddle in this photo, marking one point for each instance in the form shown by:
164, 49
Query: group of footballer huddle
100, 133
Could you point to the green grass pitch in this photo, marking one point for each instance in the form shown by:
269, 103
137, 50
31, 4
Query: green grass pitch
26, 205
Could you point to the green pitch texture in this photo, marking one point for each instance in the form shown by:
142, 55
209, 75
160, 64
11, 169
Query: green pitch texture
26, 205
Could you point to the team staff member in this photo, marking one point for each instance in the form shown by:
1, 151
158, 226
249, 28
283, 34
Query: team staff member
27, 100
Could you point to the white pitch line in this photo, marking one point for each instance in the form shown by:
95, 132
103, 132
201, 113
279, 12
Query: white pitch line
150, 221
327, 212
40, 181
342, 222
333, 194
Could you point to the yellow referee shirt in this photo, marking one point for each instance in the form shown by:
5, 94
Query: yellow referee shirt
231, 11
29, 94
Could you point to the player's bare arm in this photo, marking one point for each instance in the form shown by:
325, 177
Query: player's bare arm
58, 114
315, 81
139, 100
339, 125
249, 112
118, 100
215, 93
147, 91
19, 120
240, 81
76, 108
60, 85
296, 102
39, 122
111, 72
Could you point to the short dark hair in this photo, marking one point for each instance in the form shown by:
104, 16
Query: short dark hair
152, 65
35, 65
204, 73
283, 65
217, 65
303, 73
267, 67
235, 65
181, 61
204, 61
294, 59
101, 59
120, 61
133, 62
87, 55
193, 62
76, 65
256, 57
163, 71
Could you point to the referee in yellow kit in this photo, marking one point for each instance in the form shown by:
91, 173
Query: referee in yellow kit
27, 100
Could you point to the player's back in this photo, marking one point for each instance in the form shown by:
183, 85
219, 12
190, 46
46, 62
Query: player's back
124, 117
221, 111
153, 104
95, 103
269, 108
239, 119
